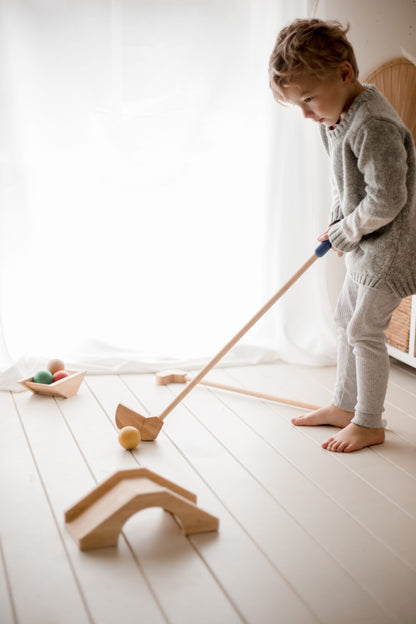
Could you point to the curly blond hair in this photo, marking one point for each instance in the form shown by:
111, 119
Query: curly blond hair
309, 47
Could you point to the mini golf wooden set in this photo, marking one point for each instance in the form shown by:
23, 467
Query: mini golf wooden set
96, 520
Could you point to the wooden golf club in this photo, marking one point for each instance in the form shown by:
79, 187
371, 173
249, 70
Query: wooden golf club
149, 426
178, 376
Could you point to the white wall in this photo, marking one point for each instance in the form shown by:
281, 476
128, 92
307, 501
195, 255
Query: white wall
379, 28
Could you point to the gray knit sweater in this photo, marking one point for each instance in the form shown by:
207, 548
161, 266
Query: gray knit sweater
373, 167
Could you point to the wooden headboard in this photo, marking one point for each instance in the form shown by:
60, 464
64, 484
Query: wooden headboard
396, 79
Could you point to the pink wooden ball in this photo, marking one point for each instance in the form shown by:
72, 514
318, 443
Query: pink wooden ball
60, 374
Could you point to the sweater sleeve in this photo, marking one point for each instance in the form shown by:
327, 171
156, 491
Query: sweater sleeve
335, 212
381, 160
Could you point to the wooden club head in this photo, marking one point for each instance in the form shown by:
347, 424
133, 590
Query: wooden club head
149, 426
171, 376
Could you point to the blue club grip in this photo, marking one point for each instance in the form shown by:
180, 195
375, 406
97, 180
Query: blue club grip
323, 248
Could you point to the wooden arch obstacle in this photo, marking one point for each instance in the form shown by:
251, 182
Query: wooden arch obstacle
97, 519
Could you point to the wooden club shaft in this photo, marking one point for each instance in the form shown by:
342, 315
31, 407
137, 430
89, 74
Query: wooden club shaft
255, 394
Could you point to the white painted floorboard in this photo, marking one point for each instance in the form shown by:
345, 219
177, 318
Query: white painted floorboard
306, 536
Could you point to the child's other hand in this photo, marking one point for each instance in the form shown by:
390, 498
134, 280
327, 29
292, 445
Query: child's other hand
323, 237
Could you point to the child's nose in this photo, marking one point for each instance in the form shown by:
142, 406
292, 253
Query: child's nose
306, 111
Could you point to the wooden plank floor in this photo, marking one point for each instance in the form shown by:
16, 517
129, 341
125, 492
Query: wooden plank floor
305, 535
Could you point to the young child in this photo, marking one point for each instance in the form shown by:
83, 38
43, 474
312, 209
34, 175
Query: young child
372, 221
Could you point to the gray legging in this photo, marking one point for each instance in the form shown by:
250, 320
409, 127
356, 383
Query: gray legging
362, 315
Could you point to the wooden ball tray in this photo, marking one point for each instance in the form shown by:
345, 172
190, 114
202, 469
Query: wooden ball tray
64, 388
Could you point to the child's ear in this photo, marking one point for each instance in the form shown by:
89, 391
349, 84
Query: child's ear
347, 73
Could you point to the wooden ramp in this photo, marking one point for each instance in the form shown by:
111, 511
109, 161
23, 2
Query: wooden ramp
97, 519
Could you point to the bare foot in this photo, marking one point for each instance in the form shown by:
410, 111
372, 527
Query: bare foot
354, 437
330, 415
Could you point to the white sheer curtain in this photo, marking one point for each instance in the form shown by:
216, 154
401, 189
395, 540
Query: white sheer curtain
153, 195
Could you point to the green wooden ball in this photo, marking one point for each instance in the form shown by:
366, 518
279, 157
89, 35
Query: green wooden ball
43, 376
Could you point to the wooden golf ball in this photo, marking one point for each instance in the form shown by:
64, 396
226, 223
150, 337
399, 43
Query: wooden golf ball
60, 374
129, 437
43, 377
55, 365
